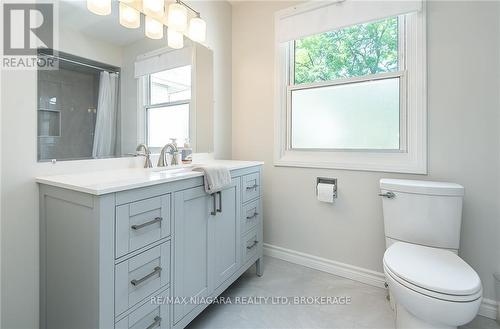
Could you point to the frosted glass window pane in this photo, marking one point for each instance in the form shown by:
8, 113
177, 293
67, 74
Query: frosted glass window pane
168, 122
363, 115
171, 85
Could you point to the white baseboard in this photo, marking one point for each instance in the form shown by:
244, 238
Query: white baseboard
488, 307
326, 265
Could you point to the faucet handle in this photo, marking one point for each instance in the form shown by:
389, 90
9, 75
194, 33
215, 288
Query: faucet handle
146, 154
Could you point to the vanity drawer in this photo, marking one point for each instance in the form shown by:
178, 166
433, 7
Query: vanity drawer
148, 315
141, 223
140, 276
250, 245
251, 214
250, 187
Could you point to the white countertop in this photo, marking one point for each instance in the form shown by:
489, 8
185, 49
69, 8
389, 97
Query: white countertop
110, 181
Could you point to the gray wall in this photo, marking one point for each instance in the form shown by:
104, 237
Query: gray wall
464, 140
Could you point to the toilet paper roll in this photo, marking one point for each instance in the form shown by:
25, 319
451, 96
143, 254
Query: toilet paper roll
326, 192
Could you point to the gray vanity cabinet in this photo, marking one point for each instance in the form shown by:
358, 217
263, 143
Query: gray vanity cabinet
227, 256
207, 243
193, 247
105, 258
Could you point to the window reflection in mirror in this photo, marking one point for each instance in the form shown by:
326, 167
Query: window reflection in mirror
167, 106
116, 88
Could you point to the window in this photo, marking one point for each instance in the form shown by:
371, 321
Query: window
351, 97
168, 98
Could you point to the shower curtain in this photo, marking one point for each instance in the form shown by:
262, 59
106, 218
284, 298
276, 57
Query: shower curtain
107, 108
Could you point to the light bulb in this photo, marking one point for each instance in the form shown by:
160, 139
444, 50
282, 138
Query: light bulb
129, 17
177, 17
99, 7
154, 7
197, 29
175, 39
154, 29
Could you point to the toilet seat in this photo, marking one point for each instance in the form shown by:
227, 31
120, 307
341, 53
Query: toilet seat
433, 272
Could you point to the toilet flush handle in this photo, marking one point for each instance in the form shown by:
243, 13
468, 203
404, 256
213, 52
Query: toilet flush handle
388, 195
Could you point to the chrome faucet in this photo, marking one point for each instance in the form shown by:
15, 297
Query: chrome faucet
146, 153
172, 149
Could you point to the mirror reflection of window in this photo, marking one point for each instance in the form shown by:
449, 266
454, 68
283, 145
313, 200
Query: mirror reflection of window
168, 103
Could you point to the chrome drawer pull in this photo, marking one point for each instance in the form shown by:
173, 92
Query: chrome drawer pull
155, 324
151, 222
214, 212
157, 270
253, 216
254, 187
388, 195
253, 244
220, 202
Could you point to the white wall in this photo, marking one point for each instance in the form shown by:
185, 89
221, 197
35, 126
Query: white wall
19, 193
76, 43
217, 14
464, 140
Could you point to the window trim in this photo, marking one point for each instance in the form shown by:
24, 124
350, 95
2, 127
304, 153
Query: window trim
411, 159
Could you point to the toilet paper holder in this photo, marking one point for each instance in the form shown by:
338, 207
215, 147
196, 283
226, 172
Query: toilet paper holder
325, 180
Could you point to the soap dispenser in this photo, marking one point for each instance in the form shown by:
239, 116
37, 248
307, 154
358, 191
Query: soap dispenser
176, 157
187, 152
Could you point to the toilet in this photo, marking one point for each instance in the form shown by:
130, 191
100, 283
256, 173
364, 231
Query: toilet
430, 286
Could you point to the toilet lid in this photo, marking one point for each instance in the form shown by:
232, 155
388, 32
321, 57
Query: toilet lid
432, 269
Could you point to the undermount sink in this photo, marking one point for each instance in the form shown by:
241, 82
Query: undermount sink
174, 170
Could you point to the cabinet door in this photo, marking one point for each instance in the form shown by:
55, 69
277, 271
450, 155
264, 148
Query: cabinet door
226, 257
192, 241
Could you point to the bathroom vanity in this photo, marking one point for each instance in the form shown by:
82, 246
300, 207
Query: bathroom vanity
142, 248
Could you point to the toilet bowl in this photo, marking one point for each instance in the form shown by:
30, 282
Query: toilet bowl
433, 288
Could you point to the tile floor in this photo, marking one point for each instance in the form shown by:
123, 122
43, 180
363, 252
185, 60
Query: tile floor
368, 307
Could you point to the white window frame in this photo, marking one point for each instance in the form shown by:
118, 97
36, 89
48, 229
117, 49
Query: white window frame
412, 155
144, 85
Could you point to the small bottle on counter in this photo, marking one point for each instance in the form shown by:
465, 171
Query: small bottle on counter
175, 155
187, 152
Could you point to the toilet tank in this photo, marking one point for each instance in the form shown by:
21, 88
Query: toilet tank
422, 212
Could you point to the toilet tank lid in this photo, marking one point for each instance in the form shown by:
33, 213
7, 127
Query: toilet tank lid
422, 187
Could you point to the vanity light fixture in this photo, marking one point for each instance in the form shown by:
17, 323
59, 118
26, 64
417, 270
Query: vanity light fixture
179, 13
175, 39
197, 29
129, 17
99, 7
154, 7
154, 29
177, 16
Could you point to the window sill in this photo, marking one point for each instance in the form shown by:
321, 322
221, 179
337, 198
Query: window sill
396, 162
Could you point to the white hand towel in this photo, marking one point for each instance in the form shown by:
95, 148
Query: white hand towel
216, 178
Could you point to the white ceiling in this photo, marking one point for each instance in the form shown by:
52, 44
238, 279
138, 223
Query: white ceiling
75, 16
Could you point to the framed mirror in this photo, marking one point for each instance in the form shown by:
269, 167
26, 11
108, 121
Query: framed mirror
114, 88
